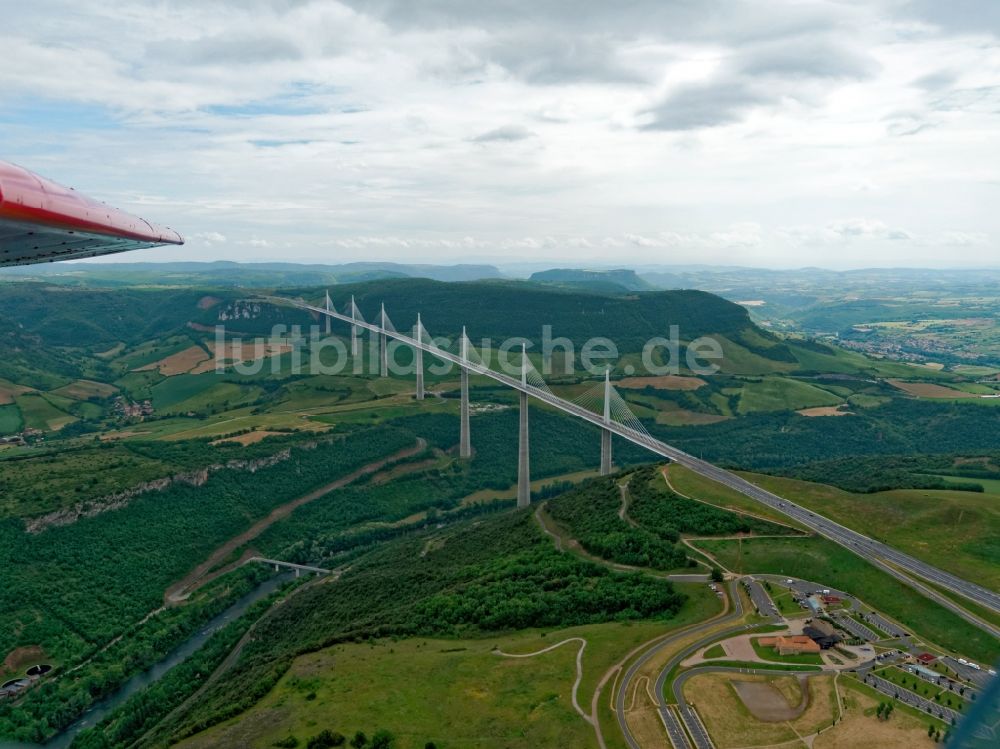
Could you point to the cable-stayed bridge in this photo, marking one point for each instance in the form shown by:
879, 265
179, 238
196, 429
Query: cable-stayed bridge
615, 418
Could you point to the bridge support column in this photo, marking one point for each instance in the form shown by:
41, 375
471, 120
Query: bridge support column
606, 433
465, 440
383, 349
523, 453
605, 452
328, 306
523, 457
354, 332
418, 354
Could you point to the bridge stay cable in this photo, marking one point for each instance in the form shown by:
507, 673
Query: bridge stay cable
904, 567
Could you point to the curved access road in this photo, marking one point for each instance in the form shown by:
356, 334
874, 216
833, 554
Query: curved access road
630, 674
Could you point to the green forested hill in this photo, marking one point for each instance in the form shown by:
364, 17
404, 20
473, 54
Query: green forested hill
49, 318
81, 317
94, 318
510, 308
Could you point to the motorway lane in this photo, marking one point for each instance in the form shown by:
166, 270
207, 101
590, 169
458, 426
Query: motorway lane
876, 552
735, 614
856, 542
696, 729
675, 731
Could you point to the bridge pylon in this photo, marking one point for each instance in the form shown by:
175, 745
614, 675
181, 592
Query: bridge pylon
418, 358
329, 306
465, 441
605, 432
523, 452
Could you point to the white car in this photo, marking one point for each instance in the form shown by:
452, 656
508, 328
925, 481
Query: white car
991, 672
975, 666
789, 581
963, 661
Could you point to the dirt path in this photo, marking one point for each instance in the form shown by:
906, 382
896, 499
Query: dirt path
180, 591
579, 669
566, 543
623, 510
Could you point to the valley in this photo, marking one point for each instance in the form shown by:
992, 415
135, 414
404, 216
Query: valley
199, 454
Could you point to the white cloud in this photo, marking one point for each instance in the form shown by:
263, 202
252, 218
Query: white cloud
340, 131
209, 237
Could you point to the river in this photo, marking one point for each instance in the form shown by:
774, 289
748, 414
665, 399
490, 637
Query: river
140, 681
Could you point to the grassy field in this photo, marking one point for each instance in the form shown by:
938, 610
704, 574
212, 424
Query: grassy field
930, 390
457, 693
39, 413
84, 389
860, 728
730, 722
10, 419
783, 394
220, 397
152, 351
737, 359
785, 601
813, 558
691, 484
8, 390
174, 390
716, 651
954, 530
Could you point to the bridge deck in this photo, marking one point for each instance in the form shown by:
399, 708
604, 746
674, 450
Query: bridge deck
886, 558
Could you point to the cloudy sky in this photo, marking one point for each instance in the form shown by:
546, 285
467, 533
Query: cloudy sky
774, 133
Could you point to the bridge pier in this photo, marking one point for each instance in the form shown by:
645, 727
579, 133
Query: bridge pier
383, 348
605, 432
465, 441
418, 354
523, 453
354, 330
328, 306
605, 452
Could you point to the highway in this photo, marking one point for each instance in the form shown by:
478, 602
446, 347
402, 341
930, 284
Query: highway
630, 673
892, 561
675, 732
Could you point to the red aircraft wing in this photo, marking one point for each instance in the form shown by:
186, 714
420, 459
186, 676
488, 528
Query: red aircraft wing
41, 221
